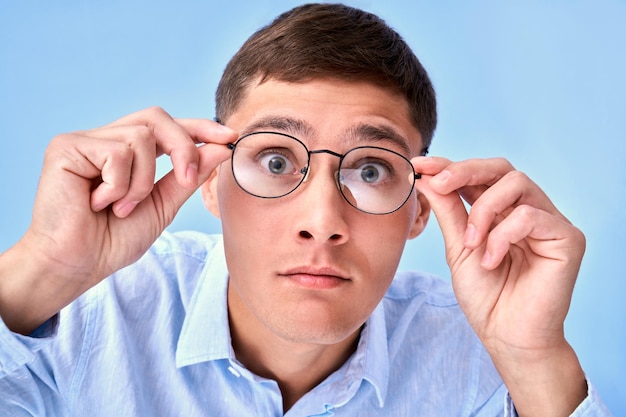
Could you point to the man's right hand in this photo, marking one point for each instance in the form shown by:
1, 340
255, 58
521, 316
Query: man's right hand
98, 208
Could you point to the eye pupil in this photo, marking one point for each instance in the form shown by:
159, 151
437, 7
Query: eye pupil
369, 173
276, 165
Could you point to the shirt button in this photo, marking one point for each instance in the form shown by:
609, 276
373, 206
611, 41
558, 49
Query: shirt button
234, 371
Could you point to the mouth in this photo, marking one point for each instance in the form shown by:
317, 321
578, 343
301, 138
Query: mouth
319, 278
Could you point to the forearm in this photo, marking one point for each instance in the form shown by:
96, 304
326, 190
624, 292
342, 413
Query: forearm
546, 384
32, 291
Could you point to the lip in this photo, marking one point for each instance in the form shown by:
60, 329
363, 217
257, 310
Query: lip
316, 277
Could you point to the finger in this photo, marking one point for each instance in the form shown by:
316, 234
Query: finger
125, 183
471, 172
174, 140
115, 174
204, 131
451, 215
207, 131
541, 231
142, 176
169, 196
512, 190
429, 165
108, 161
171, 139
140, 138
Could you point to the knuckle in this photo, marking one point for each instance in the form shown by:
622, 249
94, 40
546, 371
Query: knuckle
579, 238
482, 211
60, 141
53, 147
119, 151
62, 148
525, 212
518, 176
505, 164
140, 133
156, 112
61, 138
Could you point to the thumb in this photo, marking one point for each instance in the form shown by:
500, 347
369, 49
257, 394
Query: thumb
169, 195
451, 215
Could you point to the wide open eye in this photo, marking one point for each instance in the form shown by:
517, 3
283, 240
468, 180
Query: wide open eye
375, 180
268, 164
275, 162
367, 172
372, 173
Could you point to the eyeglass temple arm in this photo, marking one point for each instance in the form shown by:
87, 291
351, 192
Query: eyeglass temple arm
423, 152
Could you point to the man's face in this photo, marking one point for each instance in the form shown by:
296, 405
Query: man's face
308, 267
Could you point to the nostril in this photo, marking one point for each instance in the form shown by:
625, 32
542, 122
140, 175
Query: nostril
335, 237
305, 234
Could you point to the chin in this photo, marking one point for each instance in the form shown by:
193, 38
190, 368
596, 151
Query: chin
310, 328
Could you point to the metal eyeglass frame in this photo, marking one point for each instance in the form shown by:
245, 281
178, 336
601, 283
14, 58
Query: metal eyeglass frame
305, 170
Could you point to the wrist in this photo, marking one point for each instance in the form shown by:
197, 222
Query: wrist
542, 382
31, 290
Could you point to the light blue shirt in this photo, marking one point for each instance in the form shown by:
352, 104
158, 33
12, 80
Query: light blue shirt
153, 340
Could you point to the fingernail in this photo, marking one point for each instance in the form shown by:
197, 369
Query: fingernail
225, 128
191, 175
126, 208
470, 234
96, 207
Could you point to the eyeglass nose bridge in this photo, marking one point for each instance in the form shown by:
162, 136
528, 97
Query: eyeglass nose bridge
305, 170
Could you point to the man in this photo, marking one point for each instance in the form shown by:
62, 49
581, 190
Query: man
317, 172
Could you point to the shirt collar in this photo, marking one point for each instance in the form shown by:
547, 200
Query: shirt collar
205, 334
370, 363
376, 368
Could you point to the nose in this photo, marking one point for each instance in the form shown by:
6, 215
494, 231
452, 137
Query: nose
322, 209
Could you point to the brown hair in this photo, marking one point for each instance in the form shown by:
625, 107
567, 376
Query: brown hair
330, 40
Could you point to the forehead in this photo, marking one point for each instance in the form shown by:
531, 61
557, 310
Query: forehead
328, 113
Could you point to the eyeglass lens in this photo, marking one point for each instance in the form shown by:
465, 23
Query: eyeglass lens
372, 179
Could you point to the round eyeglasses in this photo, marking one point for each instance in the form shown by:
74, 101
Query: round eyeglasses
371, 179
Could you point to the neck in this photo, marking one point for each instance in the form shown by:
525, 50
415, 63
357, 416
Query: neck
296, 366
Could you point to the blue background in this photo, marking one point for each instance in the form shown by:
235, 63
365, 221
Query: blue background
540, 83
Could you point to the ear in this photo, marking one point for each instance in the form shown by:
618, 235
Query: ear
421, 216
209, 193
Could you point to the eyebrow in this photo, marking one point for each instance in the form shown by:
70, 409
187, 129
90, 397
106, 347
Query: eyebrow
362, 132
295, 127
379, 133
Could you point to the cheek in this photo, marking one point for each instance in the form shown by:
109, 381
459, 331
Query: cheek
382, 249
384, 241
249, 230
234, 203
